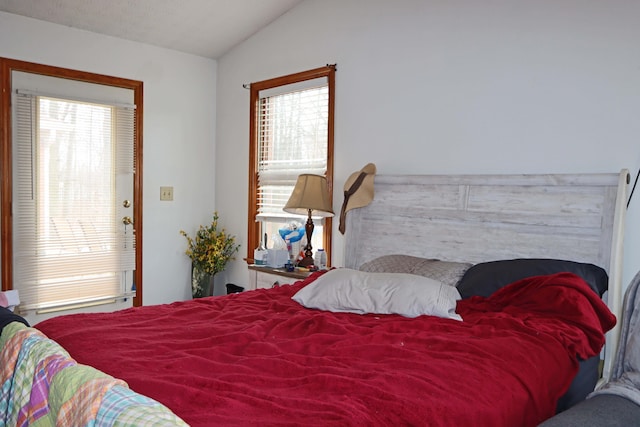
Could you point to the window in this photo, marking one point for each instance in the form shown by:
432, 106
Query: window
291, 127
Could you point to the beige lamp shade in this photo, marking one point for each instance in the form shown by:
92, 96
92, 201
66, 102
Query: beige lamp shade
310, 192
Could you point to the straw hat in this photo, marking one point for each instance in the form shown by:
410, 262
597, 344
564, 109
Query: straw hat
358, 191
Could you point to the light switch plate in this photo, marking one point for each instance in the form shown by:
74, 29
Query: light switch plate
166, 193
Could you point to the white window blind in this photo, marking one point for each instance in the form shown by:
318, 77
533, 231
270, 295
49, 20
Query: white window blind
70, 247
292, 140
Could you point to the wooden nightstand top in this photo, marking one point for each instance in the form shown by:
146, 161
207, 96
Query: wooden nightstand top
280, 271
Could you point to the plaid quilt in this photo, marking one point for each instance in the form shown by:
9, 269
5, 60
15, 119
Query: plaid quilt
41, 385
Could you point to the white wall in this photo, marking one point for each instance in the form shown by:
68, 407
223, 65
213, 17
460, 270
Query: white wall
435, 86
178, 138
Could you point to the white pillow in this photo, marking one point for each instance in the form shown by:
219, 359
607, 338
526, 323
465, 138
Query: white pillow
353, 291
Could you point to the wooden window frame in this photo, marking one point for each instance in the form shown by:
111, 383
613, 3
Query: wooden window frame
254, 232
6, 192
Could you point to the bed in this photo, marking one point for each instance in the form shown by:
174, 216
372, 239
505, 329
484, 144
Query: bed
464, 300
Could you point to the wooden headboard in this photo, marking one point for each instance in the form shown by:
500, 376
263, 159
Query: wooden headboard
477, 218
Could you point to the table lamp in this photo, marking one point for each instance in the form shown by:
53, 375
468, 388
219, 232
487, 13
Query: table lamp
310, 195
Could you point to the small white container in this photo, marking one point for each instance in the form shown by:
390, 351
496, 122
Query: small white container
260, 256
320, 260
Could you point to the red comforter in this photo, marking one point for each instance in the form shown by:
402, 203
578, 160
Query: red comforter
259, 358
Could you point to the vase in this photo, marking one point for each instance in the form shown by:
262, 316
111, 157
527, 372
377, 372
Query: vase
201, 283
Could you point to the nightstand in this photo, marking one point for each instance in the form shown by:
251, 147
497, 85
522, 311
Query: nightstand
261, 276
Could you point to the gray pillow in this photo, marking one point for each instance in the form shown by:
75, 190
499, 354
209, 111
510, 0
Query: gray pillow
446, 272
343, 290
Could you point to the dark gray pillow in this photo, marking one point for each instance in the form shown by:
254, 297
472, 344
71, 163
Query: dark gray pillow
485, 278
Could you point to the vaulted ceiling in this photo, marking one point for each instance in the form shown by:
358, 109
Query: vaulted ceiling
207, 28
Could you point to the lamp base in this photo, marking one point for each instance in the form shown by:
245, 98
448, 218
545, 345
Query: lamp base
307, 261
308, 250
